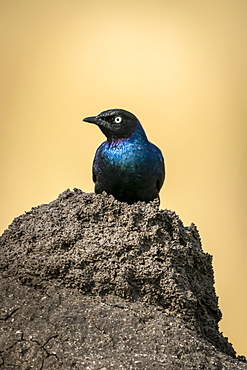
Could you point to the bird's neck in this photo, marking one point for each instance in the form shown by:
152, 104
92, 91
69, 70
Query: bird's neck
138, 135
114, 142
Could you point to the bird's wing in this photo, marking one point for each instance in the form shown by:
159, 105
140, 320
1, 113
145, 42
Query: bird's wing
94, 171
161, 173
94, 176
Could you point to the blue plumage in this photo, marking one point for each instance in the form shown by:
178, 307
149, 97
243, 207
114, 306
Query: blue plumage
127, 165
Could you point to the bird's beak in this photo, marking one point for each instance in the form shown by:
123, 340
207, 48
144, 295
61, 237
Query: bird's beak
94, 120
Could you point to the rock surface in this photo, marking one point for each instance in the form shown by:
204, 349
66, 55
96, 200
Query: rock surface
88, 282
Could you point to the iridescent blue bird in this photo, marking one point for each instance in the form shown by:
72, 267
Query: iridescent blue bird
126, 165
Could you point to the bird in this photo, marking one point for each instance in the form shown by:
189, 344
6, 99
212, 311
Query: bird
127, 165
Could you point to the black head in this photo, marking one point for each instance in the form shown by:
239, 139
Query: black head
115, 123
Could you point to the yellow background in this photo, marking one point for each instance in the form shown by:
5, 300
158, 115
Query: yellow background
179, 65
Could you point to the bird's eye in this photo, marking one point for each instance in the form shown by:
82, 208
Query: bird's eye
118, 119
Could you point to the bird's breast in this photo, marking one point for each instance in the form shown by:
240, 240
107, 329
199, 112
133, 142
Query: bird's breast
123, 157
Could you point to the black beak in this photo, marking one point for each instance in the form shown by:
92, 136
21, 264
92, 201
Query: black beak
91, 120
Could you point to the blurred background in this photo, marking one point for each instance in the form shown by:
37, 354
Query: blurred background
179, 66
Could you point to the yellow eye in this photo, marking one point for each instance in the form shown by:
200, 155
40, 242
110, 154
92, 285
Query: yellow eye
118, 119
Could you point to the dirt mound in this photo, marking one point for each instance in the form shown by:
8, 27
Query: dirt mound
90, 282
